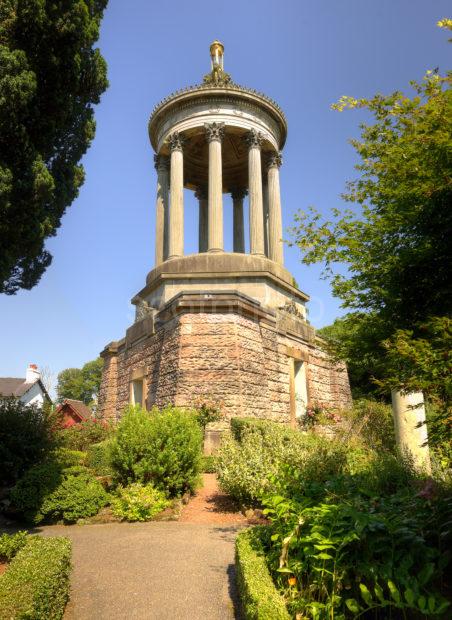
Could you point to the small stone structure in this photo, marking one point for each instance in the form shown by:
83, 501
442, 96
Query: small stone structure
227, 326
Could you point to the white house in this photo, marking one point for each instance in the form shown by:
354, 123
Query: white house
29, 390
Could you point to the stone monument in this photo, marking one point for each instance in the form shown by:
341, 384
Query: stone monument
225, 326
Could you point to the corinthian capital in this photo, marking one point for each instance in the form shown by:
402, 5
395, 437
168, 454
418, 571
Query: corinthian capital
201, 193
176, 141
253, 139
214, 131
274, 160
238, 193
161, 162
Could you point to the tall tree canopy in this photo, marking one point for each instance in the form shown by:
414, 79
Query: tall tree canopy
80, 383
395, 242
50, 77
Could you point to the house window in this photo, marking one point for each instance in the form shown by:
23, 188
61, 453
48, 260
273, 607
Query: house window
301, 388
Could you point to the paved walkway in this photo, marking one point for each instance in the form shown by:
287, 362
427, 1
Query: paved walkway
173, 570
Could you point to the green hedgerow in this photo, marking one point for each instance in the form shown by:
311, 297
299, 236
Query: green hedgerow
11, 543
138, 502
50, 492
160, 447
259, 597
36, 584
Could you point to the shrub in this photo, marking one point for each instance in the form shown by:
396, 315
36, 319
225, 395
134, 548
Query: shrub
161, 447
265, 427
67, 458
25, 437
138, 502
246, 470
209, 464
372, 421
76, 497
50, 492
259, 597
81, 436
11, 543
36, 584
99, 458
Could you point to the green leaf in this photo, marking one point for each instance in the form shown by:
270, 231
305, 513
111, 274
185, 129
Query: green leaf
409, 596
394, 592
379, 593
353, 605
324, 556
366, 595
431, 603
421, 603
426, 573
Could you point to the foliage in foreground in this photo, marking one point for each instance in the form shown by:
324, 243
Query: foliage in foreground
25, 437
36, 584
346, 547
50, 491
259, 597
50, 77
138, 502
160, 447
10, 544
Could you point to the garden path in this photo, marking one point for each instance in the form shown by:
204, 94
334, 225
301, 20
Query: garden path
167, 570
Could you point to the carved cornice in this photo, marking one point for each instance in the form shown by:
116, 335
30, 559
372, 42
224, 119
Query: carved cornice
214, 131
161, 162
176, 141
238, 193
275, 160
253, 139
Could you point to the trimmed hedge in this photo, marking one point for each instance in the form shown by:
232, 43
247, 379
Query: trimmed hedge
36, 583
259, 597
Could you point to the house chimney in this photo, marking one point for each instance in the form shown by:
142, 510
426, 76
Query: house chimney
33, 374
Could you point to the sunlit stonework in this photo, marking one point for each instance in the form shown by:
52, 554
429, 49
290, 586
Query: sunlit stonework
227, 325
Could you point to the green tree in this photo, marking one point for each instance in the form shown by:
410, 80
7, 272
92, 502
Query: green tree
395, 242
81, 383
50, 77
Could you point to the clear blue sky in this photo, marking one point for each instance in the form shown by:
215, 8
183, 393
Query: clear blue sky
303, 53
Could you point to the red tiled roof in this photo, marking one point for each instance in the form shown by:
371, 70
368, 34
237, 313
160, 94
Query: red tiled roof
78, 407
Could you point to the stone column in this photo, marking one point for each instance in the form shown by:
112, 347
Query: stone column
239, 231
161, 209
275, 243
265, 208
214, 135
411, 427
201, 195
176, 228
254, 140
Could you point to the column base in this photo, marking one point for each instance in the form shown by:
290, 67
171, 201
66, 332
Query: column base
215, 250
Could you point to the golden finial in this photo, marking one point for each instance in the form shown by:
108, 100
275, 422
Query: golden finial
217, 76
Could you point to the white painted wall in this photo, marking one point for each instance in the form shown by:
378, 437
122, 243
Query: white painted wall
34, 396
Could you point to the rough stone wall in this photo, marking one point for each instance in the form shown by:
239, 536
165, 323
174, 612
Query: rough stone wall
240, 362
108, 387
328, 383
